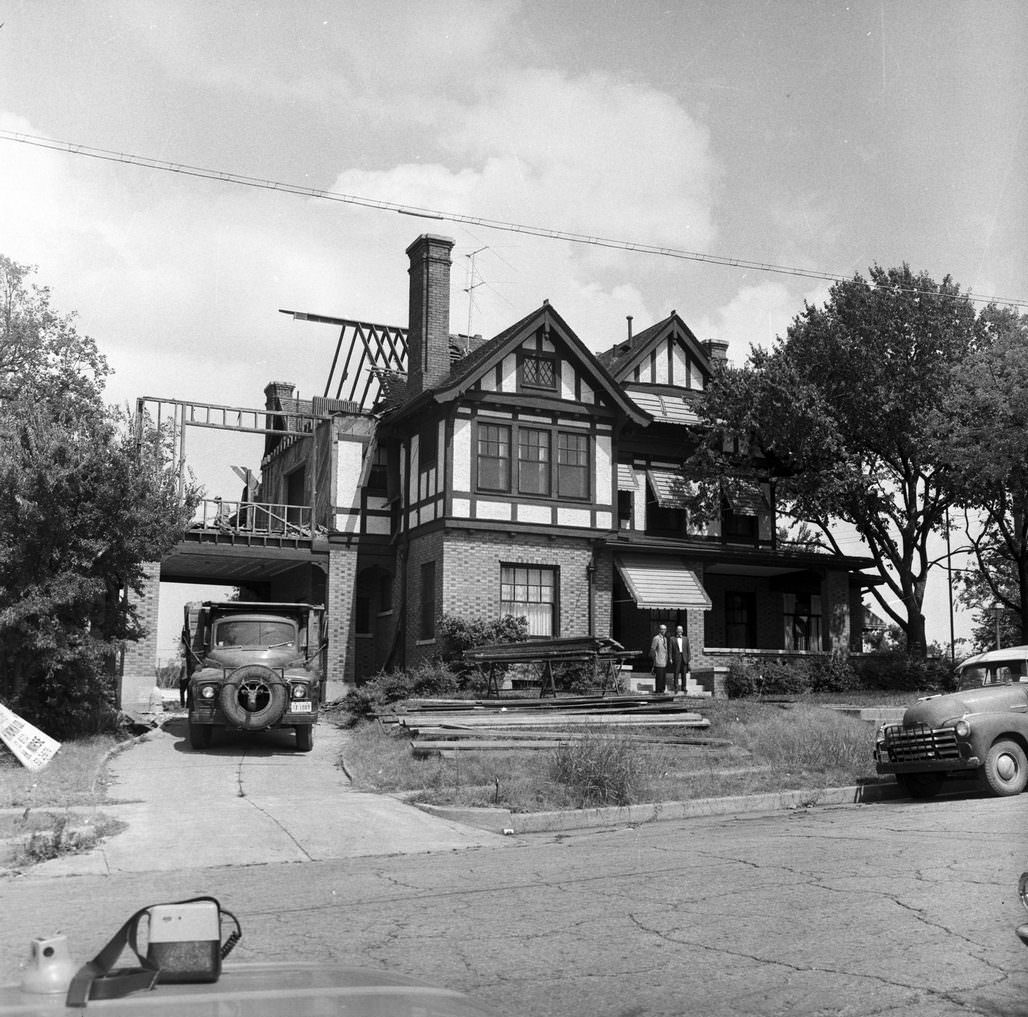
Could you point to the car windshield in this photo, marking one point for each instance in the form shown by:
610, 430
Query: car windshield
255, 632
995, 673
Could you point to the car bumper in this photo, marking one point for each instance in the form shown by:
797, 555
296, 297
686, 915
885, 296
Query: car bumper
929, 765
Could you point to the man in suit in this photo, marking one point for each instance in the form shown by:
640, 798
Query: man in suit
659, 656
678, 657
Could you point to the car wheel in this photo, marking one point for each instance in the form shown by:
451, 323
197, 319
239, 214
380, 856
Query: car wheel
1005, 771
305, 738
920, 785
200, 735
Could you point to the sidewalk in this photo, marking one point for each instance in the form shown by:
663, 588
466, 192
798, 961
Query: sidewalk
254, 800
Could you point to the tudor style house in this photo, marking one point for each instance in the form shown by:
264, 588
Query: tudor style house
527, 475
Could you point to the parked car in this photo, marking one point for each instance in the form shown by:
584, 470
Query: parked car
979, 731
268, 990
1022, 892
252, 667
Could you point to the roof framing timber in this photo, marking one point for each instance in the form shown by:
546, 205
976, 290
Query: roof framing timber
370, 349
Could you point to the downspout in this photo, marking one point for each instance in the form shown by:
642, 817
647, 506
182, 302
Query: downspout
590, 580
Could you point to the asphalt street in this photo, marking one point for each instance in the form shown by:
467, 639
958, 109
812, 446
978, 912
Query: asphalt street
891, 908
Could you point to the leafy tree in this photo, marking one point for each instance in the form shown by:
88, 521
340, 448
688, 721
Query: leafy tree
85, 500
982, 436
991, 581
843, 409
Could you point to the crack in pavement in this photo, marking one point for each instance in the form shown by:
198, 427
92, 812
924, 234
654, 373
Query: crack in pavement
699, 945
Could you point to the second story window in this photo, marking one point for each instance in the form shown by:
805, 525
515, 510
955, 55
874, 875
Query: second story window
493, 457
537, 370
378, 475
520, 460
533, 461
572, 465
428, 448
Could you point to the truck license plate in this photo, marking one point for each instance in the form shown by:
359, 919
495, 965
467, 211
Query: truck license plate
301, 708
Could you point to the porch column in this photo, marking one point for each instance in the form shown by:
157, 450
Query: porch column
339, 620
139, 673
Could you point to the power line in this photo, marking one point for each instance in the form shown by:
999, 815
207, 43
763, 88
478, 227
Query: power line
455, 217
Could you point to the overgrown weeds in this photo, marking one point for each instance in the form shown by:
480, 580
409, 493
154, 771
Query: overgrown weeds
72, 777
54, 835
773, 747
599, 769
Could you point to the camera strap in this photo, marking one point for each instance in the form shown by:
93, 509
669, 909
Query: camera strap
99, 979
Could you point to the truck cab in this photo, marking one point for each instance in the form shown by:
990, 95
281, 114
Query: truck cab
253, 666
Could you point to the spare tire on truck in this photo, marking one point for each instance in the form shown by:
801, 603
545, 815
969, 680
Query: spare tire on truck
253, 698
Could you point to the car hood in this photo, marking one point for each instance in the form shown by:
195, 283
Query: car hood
271, 990
990, 699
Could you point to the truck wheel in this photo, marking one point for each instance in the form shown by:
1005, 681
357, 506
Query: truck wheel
200, 735
1005, 771
920, 785
253, 698
305, 738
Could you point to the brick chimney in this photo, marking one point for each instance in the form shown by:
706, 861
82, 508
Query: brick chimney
717, 349
428, 326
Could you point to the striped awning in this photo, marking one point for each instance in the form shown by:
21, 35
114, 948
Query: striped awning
662, 584
670, 487
745, 498
626, 478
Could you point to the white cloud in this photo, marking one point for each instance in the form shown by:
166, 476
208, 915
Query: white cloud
591, 155
755, 316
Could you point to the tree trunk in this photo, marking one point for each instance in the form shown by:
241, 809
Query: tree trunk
917, 643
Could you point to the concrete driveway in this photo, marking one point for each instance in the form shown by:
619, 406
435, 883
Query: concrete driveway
248, 800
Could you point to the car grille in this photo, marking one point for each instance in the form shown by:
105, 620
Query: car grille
920, 742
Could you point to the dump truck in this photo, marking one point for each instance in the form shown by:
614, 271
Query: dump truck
253, 666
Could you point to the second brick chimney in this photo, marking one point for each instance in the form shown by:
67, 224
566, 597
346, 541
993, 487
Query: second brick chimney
428, 327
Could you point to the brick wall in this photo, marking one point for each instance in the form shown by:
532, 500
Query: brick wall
468, 580
139, 676
342, 575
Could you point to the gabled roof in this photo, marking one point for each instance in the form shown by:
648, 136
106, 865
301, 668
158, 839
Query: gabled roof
465, 372
620, 360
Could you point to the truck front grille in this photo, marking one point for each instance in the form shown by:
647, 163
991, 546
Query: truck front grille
904, 744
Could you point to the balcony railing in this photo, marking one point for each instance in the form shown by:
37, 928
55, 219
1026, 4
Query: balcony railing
256, 518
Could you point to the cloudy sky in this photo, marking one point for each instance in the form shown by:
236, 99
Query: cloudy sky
823, 134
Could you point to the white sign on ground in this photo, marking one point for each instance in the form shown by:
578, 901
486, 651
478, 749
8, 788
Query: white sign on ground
33, 748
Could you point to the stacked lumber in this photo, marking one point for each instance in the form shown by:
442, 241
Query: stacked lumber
446, 727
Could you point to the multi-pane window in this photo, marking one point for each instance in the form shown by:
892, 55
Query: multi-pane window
530, 591
572, 465
537, 474
493, 457
538, 371
802, 621
428, 448
533, 461
740, 620
379, 472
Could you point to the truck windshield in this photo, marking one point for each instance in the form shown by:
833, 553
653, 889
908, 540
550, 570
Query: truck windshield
254, 632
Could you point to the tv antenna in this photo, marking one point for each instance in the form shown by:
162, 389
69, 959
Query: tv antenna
471, 287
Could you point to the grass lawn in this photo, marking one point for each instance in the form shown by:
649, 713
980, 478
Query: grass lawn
775, 746
73, 777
